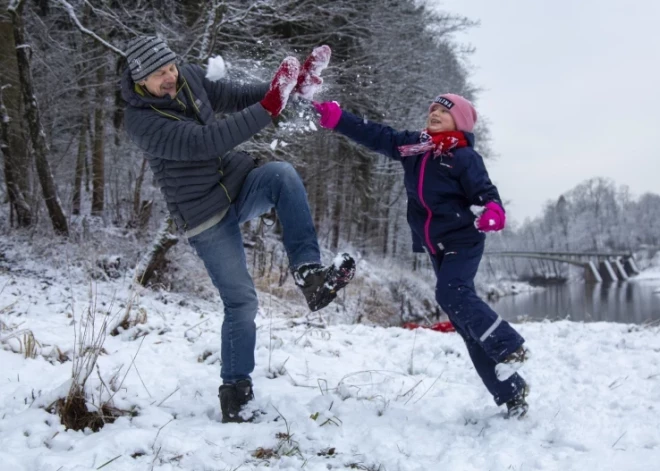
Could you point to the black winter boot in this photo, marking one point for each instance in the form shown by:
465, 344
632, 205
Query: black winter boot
518, 407
232, 399
507, 367
320, 284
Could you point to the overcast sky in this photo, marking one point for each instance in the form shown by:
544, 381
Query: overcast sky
571, 90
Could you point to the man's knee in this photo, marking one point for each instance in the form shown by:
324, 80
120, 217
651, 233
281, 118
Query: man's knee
283, 170
241, 307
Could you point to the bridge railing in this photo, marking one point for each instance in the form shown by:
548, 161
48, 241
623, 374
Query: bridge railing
610, 266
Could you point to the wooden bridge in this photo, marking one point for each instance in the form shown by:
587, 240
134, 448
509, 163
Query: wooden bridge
598, 266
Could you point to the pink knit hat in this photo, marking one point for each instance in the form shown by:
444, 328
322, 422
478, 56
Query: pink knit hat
464, 114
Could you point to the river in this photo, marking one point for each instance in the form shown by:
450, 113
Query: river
634, 302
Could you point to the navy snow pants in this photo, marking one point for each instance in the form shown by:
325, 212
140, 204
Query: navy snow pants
488, 337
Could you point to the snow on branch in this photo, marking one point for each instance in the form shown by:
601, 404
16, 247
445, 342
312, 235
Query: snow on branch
210, 22
14, 5
107, 14
67, 6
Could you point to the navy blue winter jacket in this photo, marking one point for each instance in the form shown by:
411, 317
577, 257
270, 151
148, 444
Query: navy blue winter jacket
440, 190
190, 150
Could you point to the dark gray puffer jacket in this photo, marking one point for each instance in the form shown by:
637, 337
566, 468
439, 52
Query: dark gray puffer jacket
189, 150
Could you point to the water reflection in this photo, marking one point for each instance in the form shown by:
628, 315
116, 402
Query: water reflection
628, 302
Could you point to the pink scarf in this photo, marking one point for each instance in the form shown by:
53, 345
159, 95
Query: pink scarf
440, 143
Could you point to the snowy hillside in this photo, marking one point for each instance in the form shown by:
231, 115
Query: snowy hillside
333, 397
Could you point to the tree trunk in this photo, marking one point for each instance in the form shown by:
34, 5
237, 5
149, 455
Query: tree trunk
35, 127
98, 158
144, 214
13, 139
154, 260
83, 119
86, 163
214, 13
16, 196
336, 220
137, 194
141, 209
80, 164
386, 228
395, 232
318, 198
81, 160
118, 113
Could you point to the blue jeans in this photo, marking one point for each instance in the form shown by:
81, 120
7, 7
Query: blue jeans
489, 338
220, 247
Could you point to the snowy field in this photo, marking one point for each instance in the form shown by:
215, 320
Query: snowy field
332, 397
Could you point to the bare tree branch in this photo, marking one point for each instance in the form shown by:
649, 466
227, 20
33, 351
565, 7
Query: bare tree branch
72, 13
14, 5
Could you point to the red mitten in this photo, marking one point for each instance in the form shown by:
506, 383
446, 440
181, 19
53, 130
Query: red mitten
281, 87
492, 219
309, 87
309, 80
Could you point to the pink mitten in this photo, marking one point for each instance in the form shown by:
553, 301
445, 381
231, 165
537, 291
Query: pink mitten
330, 113
281, 86
492, 219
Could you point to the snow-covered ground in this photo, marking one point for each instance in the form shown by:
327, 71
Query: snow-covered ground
504, 287
652, 272
334, 397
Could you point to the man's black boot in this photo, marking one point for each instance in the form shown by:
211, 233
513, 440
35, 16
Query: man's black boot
320, 284
233, 397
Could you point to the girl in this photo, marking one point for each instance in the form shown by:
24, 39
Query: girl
444, 176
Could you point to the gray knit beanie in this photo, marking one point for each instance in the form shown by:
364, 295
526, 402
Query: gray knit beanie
146, 54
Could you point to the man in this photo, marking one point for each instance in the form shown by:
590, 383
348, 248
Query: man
211, 189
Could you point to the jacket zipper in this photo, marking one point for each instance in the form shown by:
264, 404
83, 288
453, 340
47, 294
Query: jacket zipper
420, 194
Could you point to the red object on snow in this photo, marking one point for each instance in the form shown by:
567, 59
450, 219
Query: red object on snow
445, 326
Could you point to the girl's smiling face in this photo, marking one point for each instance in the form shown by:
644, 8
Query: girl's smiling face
439, 119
